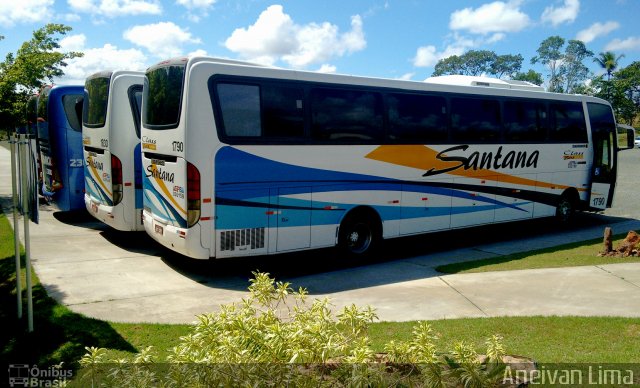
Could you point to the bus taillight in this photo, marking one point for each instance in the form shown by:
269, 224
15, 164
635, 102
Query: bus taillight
116, 179
193, 194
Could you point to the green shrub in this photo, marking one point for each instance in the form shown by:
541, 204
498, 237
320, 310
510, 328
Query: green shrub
276, 337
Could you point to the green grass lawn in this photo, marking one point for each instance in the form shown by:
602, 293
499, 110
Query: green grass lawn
61, 335
569, 255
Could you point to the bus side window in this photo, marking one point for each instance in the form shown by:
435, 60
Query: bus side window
524, 121
416, 118
475, 119
282, 111
568, 123
346, 115
240, 106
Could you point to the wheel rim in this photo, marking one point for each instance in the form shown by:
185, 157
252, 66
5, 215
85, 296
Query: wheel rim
358, 238
564, 209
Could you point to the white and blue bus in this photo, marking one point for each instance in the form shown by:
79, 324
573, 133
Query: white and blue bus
111, 140
240, 159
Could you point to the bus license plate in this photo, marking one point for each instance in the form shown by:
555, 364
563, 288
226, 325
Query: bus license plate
94, 207
158, 229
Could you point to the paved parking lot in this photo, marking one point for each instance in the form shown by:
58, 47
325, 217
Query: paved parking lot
127, 277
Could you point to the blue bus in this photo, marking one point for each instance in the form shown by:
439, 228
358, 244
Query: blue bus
60, 144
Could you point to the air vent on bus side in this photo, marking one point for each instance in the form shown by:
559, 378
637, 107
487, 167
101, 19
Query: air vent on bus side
242, 239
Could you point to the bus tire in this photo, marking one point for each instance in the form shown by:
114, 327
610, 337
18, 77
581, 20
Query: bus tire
566, 208
359, 234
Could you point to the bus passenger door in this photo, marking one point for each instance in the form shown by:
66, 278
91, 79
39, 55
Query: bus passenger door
603, 170
294, 218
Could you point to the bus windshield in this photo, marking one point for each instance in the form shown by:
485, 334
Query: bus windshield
162, 97
94, 112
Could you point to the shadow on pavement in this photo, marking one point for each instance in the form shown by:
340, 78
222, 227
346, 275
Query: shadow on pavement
315, 265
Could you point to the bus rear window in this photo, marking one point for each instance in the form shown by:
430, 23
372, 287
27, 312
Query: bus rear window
72, 105
94, 111
162, 97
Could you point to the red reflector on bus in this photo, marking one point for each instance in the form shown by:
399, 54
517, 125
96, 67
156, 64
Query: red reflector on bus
127, 184
206, 200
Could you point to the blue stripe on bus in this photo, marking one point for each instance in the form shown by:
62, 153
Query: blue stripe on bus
167, 211
94, 190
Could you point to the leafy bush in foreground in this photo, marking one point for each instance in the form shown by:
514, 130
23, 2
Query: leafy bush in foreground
276, 337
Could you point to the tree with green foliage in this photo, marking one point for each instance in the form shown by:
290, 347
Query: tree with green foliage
37, 62
626, 92
506, 65
573, 70
550, 55
608, 61
479, 62
531, 76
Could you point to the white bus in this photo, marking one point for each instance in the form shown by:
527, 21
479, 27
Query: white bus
241, 159
111, 146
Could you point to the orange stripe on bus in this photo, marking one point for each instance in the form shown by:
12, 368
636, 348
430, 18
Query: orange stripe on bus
424, 158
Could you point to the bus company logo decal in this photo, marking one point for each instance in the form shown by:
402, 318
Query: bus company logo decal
158, 173
573, 155
455, 160
94, 164
148, 143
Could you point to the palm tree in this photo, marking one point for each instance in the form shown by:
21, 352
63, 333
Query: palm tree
608, 61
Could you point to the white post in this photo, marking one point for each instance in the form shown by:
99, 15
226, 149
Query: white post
27, 245
13, 139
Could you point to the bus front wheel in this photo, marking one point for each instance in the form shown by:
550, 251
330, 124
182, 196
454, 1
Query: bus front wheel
359, 235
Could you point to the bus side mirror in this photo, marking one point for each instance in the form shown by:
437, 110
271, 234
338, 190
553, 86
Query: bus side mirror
631, 135
626, 137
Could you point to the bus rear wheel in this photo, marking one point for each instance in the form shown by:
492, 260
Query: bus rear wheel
359, 235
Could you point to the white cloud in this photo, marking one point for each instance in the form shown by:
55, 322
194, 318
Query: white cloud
73, 42
107, 57
597, 30
407, 76
198, 53
566, 13
428, 56
326, 68
631, 43
197, 9
24, 11
490, 18
114, 8
275, 36
163, 40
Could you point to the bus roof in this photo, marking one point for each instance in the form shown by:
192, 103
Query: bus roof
452, 84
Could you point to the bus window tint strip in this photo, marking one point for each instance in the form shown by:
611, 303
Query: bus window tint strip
257, 111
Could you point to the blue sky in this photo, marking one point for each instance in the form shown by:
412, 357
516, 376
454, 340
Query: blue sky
380, 38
